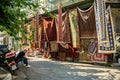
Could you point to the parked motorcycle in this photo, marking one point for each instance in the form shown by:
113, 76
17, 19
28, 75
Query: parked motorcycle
7, 60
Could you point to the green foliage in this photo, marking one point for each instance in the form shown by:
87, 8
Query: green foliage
118, 52
48, 13
14, 13
31, 38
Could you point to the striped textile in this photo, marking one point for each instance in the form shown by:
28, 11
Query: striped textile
65, 30
104, 27
74, 28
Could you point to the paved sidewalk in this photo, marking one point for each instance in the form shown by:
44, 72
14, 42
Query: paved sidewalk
115, 75
113, 72
4, 75
19, 75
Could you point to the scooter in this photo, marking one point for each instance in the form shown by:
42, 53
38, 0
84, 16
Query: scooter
10, 61
7, 60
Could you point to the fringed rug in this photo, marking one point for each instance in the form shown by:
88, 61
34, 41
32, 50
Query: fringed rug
74, 28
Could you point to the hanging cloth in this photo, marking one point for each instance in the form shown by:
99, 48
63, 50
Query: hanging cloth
100, 17
110, 47
74, 28
50, 29
59, 23
64, 29
42, 35
86, 22
104, 27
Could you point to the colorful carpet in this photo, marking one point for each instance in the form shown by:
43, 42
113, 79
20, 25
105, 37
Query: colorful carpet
63, 31
86, 21
104, 27
74, 28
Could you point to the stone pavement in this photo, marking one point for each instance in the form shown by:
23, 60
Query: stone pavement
44, 69
115, 75
4, 75
19, 75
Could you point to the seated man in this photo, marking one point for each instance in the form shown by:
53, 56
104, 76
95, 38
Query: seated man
21, 57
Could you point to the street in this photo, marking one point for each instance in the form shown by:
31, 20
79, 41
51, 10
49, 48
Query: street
44, 69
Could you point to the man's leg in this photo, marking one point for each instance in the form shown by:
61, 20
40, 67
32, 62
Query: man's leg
25, 60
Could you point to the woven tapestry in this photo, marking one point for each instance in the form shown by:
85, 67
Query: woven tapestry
50, 29
92, 49
74, 28
110, 36
99, 58
64, 28
100, 20
86, 21
104, 27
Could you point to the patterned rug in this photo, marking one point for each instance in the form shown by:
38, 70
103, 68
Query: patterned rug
74, 28
104, 27
86, 21
64, 32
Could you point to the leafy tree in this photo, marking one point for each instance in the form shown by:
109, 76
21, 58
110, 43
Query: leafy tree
14, 15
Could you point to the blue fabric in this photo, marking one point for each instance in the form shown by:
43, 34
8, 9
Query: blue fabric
25, 60
21, 57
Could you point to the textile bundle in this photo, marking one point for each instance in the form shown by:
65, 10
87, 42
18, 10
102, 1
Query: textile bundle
105, 30
64, 32
86, 20
50, 29
74, 28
